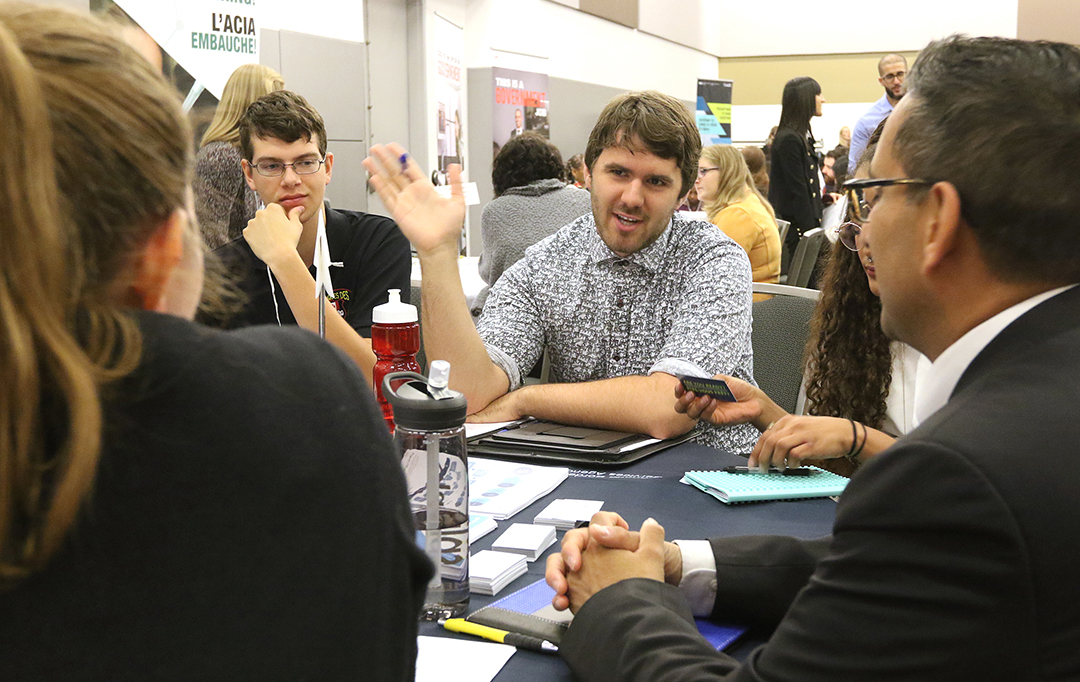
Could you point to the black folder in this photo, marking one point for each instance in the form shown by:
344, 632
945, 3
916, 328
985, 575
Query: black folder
543, 441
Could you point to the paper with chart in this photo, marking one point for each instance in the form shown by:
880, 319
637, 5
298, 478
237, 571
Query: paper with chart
501, 489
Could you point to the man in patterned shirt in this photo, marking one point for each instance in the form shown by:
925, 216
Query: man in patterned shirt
623, 300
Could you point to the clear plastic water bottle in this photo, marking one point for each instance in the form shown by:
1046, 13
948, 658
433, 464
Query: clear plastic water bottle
395, 340
430, 437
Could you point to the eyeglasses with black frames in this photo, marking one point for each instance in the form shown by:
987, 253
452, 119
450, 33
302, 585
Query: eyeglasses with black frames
702, 172
275, 169
860, 204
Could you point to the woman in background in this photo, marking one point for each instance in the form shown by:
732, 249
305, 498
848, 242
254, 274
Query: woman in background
223, 202
733, 204
175, 502
794, 186
859, 385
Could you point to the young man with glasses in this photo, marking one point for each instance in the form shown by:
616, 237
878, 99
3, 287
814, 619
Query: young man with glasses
892, 70
283, 140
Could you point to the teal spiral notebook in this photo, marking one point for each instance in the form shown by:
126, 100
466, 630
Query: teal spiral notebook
735, 488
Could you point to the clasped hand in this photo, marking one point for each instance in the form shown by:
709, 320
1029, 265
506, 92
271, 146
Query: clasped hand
607, 552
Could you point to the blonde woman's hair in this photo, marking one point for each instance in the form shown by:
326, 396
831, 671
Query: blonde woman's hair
247, 83
96, 154
735, 181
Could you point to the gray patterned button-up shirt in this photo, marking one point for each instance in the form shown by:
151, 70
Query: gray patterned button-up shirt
679, 306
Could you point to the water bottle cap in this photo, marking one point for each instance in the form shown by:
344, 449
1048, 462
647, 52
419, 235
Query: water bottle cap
394, 312
417, 405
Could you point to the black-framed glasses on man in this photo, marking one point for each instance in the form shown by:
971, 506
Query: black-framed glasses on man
855, 191
702, 172
275, 169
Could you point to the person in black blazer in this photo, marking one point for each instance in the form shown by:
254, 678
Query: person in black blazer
953, 555
794, 187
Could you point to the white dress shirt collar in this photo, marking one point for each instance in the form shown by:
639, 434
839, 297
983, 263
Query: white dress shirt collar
934, 390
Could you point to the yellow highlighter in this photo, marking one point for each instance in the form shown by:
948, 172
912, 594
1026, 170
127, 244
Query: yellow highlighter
501, 636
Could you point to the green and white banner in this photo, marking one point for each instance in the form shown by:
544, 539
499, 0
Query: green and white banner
208, 38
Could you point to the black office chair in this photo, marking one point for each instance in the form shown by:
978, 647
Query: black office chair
805, 257
782, 226
781, 327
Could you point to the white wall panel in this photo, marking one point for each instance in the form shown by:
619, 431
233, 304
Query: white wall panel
783, 27
342, 19
547, 37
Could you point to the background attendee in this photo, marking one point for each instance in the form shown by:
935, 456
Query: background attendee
176, 502
223, 201
954, 535
892, 70
693, 202
734, 204
832, 180
576, 171
755, 162
622, 299
845, 138
531, 202
794, 190
767, 147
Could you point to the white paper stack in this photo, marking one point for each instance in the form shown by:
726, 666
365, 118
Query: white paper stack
564, 514
491, 571
479, 526
502, 489
526, 538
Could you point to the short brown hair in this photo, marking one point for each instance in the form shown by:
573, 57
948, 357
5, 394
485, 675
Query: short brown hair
283, 115
659, 122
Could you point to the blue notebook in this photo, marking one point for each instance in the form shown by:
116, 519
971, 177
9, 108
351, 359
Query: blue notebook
529, 611
734, 488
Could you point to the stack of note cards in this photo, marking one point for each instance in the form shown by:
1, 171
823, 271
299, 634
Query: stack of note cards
564, 514
491, 571
501, 489
732, 488
526, 538
479, 526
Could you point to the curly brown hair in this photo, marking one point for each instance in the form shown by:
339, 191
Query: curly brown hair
524, 160
848, 358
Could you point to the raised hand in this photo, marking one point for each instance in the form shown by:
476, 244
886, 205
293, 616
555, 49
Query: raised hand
431, 222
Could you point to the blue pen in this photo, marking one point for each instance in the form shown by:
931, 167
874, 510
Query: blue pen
404, 159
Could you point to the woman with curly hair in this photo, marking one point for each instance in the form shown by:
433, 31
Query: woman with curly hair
532, 201
859, 385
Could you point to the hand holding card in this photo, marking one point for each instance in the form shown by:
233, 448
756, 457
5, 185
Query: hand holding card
714, 388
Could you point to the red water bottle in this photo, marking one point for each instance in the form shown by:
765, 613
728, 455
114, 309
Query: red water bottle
395, 339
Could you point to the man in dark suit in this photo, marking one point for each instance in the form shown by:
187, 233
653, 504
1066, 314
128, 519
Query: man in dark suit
954, 553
